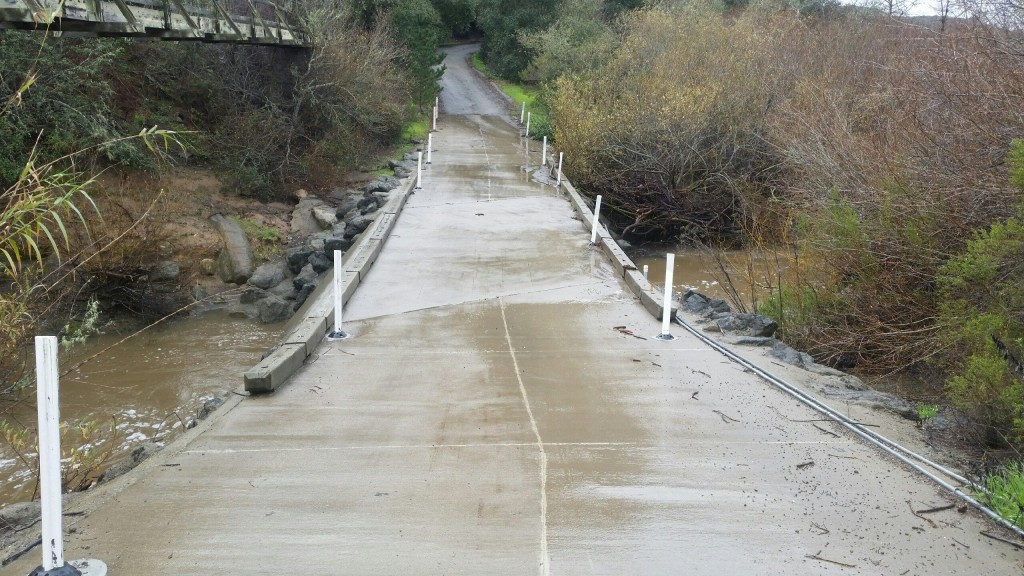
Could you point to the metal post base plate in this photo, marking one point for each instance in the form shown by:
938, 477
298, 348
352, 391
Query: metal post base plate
665, 337
341, 335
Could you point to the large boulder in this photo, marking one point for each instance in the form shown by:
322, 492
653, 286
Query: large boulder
297, 257
273, 309
302, 295
235, 263
347, 205
252, 295
320, 262
325, 216
269, 275
285, 290
335, 243
357, 225
306, 276
303, 223
748, 325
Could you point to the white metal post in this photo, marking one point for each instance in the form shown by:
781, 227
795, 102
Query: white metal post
339, 289
646, 267
528, 115
597, 215
522, 113
430, 147
49, 451
544, 153
433, 126
419, 170
560, 156
670, 263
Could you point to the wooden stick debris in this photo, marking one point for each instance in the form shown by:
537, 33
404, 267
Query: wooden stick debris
836, 562
915, 513
829, 432
1017, 545
726, 419
937, 509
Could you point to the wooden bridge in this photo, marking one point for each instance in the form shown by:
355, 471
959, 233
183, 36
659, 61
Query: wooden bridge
240, 21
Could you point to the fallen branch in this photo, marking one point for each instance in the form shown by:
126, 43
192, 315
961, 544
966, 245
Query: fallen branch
726, 419
914, 512
836, 562
937, 509
1016, 545
829, 432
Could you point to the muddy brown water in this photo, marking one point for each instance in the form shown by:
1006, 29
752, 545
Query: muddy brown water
752, 273
144, 388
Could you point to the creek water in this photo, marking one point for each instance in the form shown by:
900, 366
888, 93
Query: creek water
142, 390
751, 274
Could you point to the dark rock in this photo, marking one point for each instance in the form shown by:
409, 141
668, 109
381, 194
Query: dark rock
748, 325
368, 203
306, 276
252, 295
164, 271
404, 172
303, 294
696, 303
208, 266
285, 290
320, 262
208, 407
720, 306
273, 309
335, 243
138, 454
752, 341
357, 225
269, 275
347, 205
235, 263
384, 184
782, 351
297, 257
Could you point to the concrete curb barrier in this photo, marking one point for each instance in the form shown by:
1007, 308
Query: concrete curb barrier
650, 298
309, 325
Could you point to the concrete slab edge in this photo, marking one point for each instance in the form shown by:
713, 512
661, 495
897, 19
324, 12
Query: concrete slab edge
316, 317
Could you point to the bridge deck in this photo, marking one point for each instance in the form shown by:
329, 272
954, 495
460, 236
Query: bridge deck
239, 21
487, 419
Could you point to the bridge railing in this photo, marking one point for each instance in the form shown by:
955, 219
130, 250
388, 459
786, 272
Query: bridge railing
240, 21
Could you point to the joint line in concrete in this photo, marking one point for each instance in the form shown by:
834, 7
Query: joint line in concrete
545, 559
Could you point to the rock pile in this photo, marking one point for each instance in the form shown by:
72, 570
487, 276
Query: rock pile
276, 289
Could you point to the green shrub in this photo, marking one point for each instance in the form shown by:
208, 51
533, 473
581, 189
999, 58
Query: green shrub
1006, 493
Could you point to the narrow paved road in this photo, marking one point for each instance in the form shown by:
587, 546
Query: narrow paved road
486, 419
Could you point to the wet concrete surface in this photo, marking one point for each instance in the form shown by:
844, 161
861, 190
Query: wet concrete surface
487, 418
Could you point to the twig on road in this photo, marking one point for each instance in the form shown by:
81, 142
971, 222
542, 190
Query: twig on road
726, 419
836, 562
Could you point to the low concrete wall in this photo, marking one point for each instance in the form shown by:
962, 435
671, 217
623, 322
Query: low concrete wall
651, 299
310, 324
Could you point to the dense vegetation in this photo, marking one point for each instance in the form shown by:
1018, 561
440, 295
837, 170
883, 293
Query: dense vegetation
266, 120
876, 158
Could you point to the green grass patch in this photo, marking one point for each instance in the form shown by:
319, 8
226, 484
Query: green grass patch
521, 94
264, 240
416, 129
1006, 493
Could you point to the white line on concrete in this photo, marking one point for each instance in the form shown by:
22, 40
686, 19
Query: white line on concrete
545, 559
435, 446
